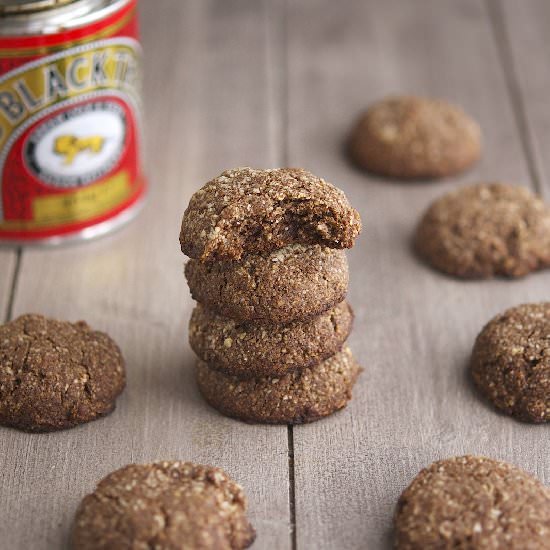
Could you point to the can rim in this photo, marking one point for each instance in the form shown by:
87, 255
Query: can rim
55, 16
11, 7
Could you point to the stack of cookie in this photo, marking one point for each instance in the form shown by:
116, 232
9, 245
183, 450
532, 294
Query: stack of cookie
270, 277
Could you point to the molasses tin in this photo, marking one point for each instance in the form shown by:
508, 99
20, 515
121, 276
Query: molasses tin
70, 81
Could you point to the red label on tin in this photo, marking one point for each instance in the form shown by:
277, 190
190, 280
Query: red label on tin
69, 128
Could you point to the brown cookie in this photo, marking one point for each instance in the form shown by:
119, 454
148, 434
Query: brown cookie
411, 137
297, 397
473, 502
166, 506
56, 375
255, 349
511, 362
247, 211
296, 282
486, 230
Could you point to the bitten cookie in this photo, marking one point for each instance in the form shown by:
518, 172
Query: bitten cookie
166, 506
511, 362
296, 282
486, 230
56, 375
247, 211
254, 349
297, 397
473, 502
411, 137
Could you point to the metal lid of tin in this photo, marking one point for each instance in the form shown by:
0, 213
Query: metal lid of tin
35, 17
26, 6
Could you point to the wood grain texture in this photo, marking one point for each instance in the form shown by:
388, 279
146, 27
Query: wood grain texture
414, 328
524, 32
8, 260
208, 107
243, 83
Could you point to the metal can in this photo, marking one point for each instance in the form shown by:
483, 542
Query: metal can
70, 83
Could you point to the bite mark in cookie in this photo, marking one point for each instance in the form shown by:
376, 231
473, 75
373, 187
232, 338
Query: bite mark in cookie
248, 211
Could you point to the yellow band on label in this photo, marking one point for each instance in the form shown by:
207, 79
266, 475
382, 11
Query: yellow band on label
83, 204
77, 206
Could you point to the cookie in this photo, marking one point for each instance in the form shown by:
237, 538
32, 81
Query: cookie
411, 137
297, 397
486, 230
56, 375
473, 502
254, 349
166, 506
294, 283
247, 211
511, 362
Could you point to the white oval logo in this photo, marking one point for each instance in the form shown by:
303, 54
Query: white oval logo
77, 146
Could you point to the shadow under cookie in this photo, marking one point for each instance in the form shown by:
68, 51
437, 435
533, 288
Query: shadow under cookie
298, 397
255, 349
293, 283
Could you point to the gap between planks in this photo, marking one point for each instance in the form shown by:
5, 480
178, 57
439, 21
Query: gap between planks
13, 288
277, 20
504, 51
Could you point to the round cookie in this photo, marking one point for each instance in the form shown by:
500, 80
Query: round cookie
473, 502
247, 211
411, 137
297, 397
486, 230
254, 349
166, 506
511, 362
55, 374
293, 283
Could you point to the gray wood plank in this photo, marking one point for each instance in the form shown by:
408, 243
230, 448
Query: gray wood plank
7, 266
414, 328
210, 97
524, 30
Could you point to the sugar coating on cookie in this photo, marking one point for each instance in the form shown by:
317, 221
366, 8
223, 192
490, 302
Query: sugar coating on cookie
164, 505
55, 374
248, 211
473, 502
413, 137
510, 362
295, 398
259, 349
293, 283
486, 230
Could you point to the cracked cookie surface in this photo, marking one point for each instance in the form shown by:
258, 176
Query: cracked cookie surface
295, 398
55, 374
473, 502
293, 283
510, 362
255, 349
411, 137
248, 211
486, 230
166, 506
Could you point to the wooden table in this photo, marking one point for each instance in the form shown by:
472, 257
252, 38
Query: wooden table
246, 82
